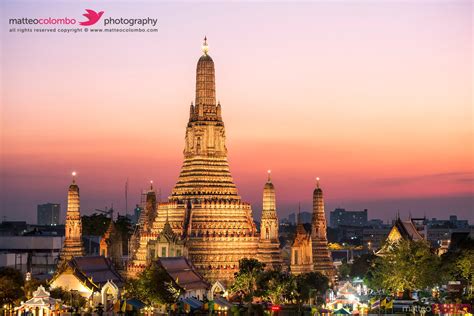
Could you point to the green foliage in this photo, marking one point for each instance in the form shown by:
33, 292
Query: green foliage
125, 229
276, 286
360, 266
309, 285
465, 266
11, 283
246, 280
344, 271
459, 265
154, 286
71, 298
407, 266
95, 224
31, 286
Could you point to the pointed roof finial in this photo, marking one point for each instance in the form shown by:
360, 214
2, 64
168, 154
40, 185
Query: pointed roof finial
205, 47
74, 173
317, 182
299, 211
269, 175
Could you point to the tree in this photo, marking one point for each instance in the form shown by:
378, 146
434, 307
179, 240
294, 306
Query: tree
247, 279
465, 268
361, 265
95, 224
31, 286
407, 266
11, 283
71, 297
154, 286
459, 265
311, 284
276, 286
344, 270
125, 229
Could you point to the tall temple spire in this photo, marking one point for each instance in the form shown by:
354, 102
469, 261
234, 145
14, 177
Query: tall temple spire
205, 86
269, 245
149, 212
205, 173
269, 199
204, 207
299, 223
73, 240
321, 256
319, 218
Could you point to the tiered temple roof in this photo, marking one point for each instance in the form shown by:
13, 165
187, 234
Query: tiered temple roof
204, 207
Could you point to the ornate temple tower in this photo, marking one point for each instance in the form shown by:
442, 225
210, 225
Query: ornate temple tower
72, 246
110, 245
204, 207
321, 256
301, 250
143, 234
269, 245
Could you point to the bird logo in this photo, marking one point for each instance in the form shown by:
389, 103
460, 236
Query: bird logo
92, 16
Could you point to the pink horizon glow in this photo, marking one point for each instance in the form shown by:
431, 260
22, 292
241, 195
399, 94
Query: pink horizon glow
374, 98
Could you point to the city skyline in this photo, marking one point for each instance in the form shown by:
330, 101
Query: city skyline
386, 124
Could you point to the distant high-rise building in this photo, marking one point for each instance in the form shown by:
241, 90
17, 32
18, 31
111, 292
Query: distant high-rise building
452, 222
341, 217
304, 217
48, 214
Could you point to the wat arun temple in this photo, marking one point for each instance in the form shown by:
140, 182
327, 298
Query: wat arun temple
204, 217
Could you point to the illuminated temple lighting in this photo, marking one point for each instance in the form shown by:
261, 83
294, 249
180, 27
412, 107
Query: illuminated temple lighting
73, 240
204, 208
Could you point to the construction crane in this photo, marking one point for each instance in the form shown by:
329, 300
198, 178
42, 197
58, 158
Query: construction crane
109, 212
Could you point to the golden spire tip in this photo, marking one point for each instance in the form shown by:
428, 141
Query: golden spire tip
205, 47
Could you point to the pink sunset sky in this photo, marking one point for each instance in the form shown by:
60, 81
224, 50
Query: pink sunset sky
374, 97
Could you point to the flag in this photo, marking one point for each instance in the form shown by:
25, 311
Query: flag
383, 304
389, 305
116, 307
124, 306
375, 304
